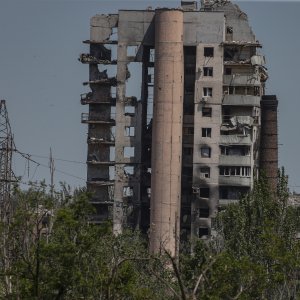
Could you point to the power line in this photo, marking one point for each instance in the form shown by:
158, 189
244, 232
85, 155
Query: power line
27, 157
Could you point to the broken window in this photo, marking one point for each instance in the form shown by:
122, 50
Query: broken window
132, 50
205, 152
206, 111
129, 110
205, 172
203, 212
128, 152
187, 151
235, 150
208, 51
190, 70
127, 191
207, 71
128, 170
188, 130
204, 192
207, 92
228, 71
224, 171
202, 231
206, 132
129, 131
235, 171
229, 29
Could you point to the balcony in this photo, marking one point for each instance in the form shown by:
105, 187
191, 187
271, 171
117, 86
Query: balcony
241, 100
86, 58
234, 180
88, 99
241, 79
106, 42
235, 139
112, 81
101, 163
100, 182
104, 141
234, 160
94, 119
224, 202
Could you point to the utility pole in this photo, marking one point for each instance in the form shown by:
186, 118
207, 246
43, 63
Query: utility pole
52, 169
6, 179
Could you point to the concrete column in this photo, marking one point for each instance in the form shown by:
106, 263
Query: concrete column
269, 139
167, 132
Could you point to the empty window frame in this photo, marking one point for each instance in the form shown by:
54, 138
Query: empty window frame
208, 51
208, 71
207, 92
128, 152
187, 151
189, 70
206, 111
204, 192
203, 212
205, 172
129, 131
205, 152
128, 170
224, 171
127, 191
206, 132
202, 231
235, 171
129, 110
229, 29
235, 150
228, 71
188, 130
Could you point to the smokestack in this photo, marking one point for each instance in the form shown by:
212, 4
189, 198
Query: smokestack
269, 139
167, 132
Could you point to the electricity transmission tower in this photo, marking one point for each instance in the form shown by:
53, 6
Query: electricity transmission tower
6, 179
6, 173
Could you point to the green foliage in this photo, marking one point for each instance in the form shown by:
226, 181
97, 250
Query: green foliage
49, 250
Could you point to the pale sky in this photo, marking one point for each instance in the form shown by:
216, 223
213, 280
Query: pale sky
41, 78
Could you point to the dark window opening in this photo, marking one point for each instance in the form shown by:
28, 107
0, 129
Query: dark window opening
204, 192
203, 231
207, 92
229, 29
206, 132
187, 151
208, 71
205, 172
208, 51
228, 71
206, 111
203, 212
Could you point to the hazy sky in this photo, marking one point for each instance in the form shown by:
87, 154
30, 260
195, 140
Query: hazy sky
41, 78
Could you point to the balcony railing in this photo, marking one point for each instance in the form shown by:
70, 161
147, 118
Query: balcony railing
234, 160
241, 100
88, 99
235, 139
89, 118
241, 79
235, 180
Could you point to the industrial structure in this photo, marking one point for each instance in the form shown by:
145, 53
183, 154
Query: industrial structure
178, 124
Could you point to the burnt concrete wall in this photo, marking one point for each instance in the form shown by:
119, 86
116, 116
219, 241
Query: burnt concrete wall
269, 139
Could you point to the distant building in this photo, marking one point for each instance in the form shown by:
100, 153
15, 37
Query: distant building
192, 135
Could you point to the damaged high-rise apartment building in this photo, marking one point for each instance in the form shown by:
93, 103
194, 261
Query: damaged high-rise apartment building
178, 124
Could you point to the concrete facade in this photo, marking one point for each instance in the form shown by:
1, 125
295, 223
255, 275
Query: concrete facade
169, 147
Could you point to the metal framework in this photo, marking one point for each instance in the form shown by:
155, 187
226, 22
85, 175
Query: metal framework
6, 173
